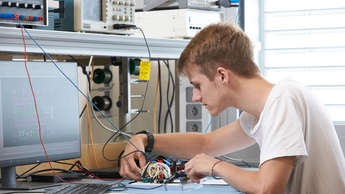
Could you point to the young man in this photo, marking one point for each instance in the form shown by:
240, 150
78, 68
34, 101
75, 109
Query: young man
300, 150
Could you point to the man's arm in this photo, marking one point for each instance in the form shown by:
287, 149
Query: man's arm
227, 139
272, 176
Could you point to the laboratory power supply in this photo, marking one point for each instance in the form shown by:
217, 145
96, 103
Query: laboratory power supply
176, 23
27, 12
148, 5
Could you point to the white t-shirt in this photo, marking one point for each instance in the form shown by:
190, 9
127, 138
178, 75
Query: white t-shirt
295, 123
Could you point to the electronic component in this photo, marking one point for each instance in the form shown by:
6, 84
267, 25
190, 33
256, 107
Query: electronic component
155, 171
57, 102
146, 5
178, 23
102, 16
102, 102
102, 76
28, 12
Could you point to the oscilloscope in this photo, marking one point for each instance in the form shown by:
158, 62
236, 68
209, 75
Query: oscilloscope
96, 16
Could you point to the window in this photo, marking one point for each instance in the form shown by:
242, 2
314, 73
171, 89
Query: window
305, 40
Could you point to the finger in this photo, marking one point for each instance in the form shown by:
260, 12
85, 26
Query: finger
127, 172
142, 160
193, 178
188, 165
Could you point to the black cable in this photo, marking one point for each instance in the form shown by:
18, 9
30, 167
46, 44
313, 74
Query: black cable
169, 101
141, 108
83, 70
82, 112
45, 170
172, 95
66, 163
145, 170
160, 96
229, 159
120, 155
123, 187
147, 45
76, 85
151, 188
29, 170
57, 10
88, 80
168, 108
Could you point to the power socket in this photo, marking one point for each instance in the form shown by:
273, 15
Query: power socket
194, 111
194, 126
189, 94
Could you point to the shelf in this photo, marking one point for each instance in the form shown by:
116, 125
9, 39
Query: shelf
87, 44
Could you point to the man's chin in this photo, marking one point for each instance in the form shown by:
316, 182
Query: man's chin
214, 114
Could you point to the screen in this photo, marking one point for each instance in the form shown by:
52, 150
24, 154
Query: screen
58, 113
92, 10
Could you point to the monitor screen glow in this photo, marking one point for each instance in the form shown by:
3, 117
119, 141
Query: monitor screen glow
58, 109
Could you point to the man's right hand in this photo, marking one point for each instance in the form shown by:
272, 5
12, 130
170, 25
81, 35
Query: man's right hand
129, 168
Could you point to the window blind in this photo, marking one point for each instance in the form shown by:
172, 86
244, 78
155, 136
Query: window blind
305, 40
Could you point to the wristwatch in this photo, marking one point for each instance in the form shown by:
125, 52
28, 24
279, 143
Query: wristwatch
150, 140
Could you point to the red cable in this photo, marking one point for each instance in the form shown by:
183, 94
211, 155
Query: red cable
78, 164
36, 109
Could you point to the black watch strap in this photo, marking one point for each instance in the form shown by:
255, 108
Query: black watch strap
150, 140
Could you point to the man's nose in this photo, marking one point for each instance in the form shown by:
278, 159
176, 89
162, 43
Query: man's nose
196, 97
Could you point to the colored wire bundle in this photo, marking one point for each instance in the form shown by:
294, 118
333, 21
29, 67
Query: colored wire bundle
155, 171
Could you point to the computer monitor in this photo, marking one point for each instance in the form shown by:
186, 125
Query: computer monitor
58, 109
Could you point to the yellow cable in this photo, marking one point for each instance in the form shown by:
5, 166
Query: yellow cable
155, 107
89, 122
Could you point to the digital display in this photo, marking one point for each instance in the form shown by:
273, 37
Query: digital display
92, 10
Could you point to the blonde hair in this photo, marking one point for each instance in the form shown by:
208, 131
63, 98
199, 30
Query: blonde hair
221, 44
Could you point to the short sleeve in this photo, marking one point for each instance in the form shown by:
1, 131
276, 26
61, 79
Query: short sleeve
282, 131
247, 122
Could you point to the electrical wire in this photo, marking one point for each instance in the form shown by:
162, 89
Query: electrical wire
209, 124
225, 156
238, 11
140, 110
147, 45
29, 170
155, 108
170, 77
160, 97
22, 27
123, 187
88, 115
38, 118
235, 160
35, 103
87, 78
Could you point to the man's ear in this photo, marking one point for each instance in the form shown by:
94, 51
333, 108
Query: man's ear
222, 74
